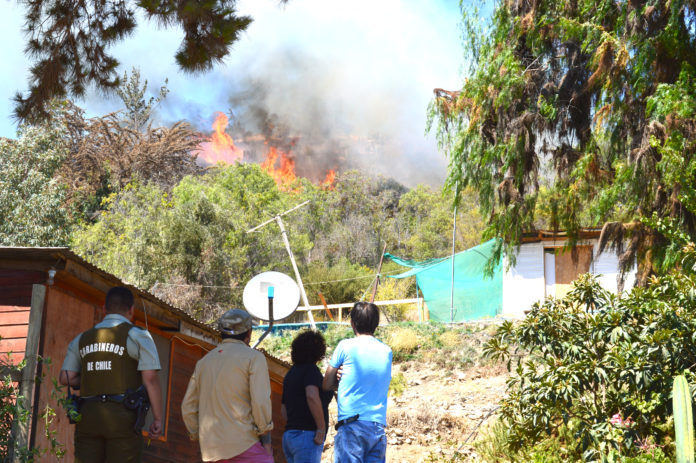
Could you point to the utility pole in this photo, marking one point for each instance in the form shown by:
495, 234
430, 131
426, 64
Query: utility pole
279, 221
454, 231
379, 270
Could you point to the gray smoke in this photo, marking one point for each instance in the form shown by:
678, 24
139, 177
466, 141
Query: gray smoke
345, 85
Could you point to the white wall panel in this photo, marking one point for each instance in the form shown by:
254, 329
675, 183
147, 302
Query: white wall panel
523, 285
607, 265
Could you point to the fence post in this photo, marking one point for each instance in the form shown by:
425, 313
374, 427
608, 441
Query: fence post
31, 355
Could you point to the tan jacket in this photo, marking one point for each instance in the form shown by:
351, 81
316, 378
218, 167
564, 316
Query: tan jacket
227, 405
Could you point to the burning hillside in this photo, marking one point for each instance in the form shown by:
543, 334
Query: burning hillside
275, 154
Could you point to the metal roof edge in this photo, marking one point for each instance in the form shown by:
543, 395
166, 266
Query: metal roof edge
68, 254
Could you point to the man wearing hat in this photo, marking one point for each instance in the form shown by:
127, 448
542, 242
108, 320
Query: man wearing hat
227, 405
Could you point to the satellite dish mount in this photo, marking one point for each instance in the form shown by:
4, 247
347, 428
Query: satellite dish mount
260, 298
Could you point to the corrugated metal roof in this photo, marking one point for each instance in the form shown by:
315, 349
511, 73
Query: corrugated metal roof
51, 255
54, 254
542, 235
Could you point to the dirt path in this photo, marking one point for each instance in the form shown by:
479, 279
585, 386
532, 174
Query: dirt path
436, 412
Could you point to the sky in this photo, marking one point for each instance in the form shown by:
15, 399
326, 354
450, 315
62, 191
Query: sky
354, 79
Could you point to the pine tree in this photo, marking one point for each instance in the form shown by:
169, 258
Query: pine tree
68, 41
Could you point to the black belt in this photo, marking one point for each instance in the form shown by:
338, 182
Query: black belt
117, 398
346, 421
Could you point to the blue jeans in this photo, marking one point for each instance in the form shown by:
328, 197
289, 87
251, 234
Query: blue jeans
299, 447
360, 442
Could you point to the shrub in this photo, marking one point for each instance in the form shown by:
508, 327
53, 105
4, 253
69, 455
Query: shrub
450, 339
391, 289
403, 342
14, 411
397, 386
594, 356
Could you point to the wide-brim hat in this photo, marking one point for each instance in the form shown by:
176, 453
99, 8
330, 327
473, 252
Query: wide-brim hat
235, 321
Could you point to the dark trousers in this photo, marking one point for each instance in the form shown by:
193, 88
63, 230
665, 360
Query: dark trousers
105, 435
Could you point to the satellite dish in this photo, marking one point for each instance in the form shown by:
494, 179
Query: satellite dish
280, 287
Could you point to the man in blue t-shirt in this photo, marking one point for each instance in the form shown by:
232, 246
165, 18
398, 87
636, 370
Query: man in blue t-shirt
365, 365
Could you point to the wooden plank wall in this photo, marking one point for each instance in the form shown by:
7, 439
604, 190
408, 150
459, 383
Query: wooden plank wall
15, 302
65, 317
14, 325
278, 422
15, 286
178, 447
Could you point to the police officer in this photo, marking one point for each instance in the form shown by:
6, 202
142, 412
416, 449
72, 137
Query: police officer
104, 363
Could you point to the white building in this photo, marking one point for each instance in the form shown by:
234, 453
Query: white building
543, 268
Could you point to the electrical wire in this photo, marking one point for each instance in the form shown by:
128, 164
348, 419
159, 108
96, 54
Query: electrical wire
306, 284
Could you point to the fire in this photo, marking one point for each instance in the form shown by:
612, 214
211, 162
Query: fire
278, 163
285, 172
220, 147
329, 179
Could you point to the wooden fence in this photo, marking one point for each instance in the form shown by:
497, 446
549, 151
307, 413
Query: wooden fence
422, 311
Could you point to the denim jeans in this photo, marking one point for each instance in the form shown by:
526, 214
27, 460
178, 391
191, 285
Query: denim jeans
299, 447
360, 442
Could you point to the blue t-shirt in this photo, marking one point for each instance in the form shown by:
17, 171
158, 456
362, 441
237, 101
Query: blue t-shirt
366, 376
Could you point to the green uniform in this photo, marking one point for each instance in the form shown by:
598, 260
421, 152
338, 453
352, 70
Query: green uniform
107, 369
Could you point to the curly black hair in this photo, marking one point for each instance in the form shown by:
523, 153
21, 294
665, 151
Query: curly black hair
308, 346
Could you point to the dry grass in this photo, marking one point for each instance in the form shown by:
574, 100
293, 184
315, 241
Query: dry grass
426, 422
450, 339
403, 341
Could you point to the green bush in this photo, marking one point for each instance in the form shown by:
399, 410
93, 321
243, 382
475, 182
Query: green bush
397, 386
403, 342
495, 445
15, 412
601, 365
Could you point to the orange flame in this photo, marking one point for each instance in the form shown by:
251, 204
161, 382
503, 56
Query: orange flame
285, 172
329, 180
279, 164
220, 147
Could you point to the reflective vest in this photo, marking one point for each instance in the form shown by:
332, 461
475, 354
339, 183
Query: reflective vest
106, 367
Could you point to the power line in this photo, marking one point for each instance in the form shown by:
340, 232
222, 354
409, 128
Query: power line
349, 279
306, 284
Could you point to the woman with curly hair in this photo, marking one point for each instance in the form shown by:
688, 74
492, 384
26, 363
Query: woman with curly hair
305, 406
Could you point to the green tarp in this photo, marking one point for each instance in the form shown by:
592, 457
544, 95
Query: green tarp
476, 295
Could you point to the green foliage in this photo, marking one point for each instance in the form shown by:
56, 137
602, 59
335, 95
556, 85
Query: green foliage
342, 281
577, 114
398, 384
458, 347
683, 420
15, 412
599, 364
68, 43
138, 109
391, 289
425, 222
32, 209
192, 246
495, 444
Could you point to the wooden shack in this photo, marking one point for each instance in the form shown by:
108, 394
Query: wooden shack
546, 267
49, 295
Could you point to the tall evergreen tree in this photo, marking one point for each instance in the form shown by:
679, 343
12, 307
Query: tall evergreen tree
69, 41
583, 110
